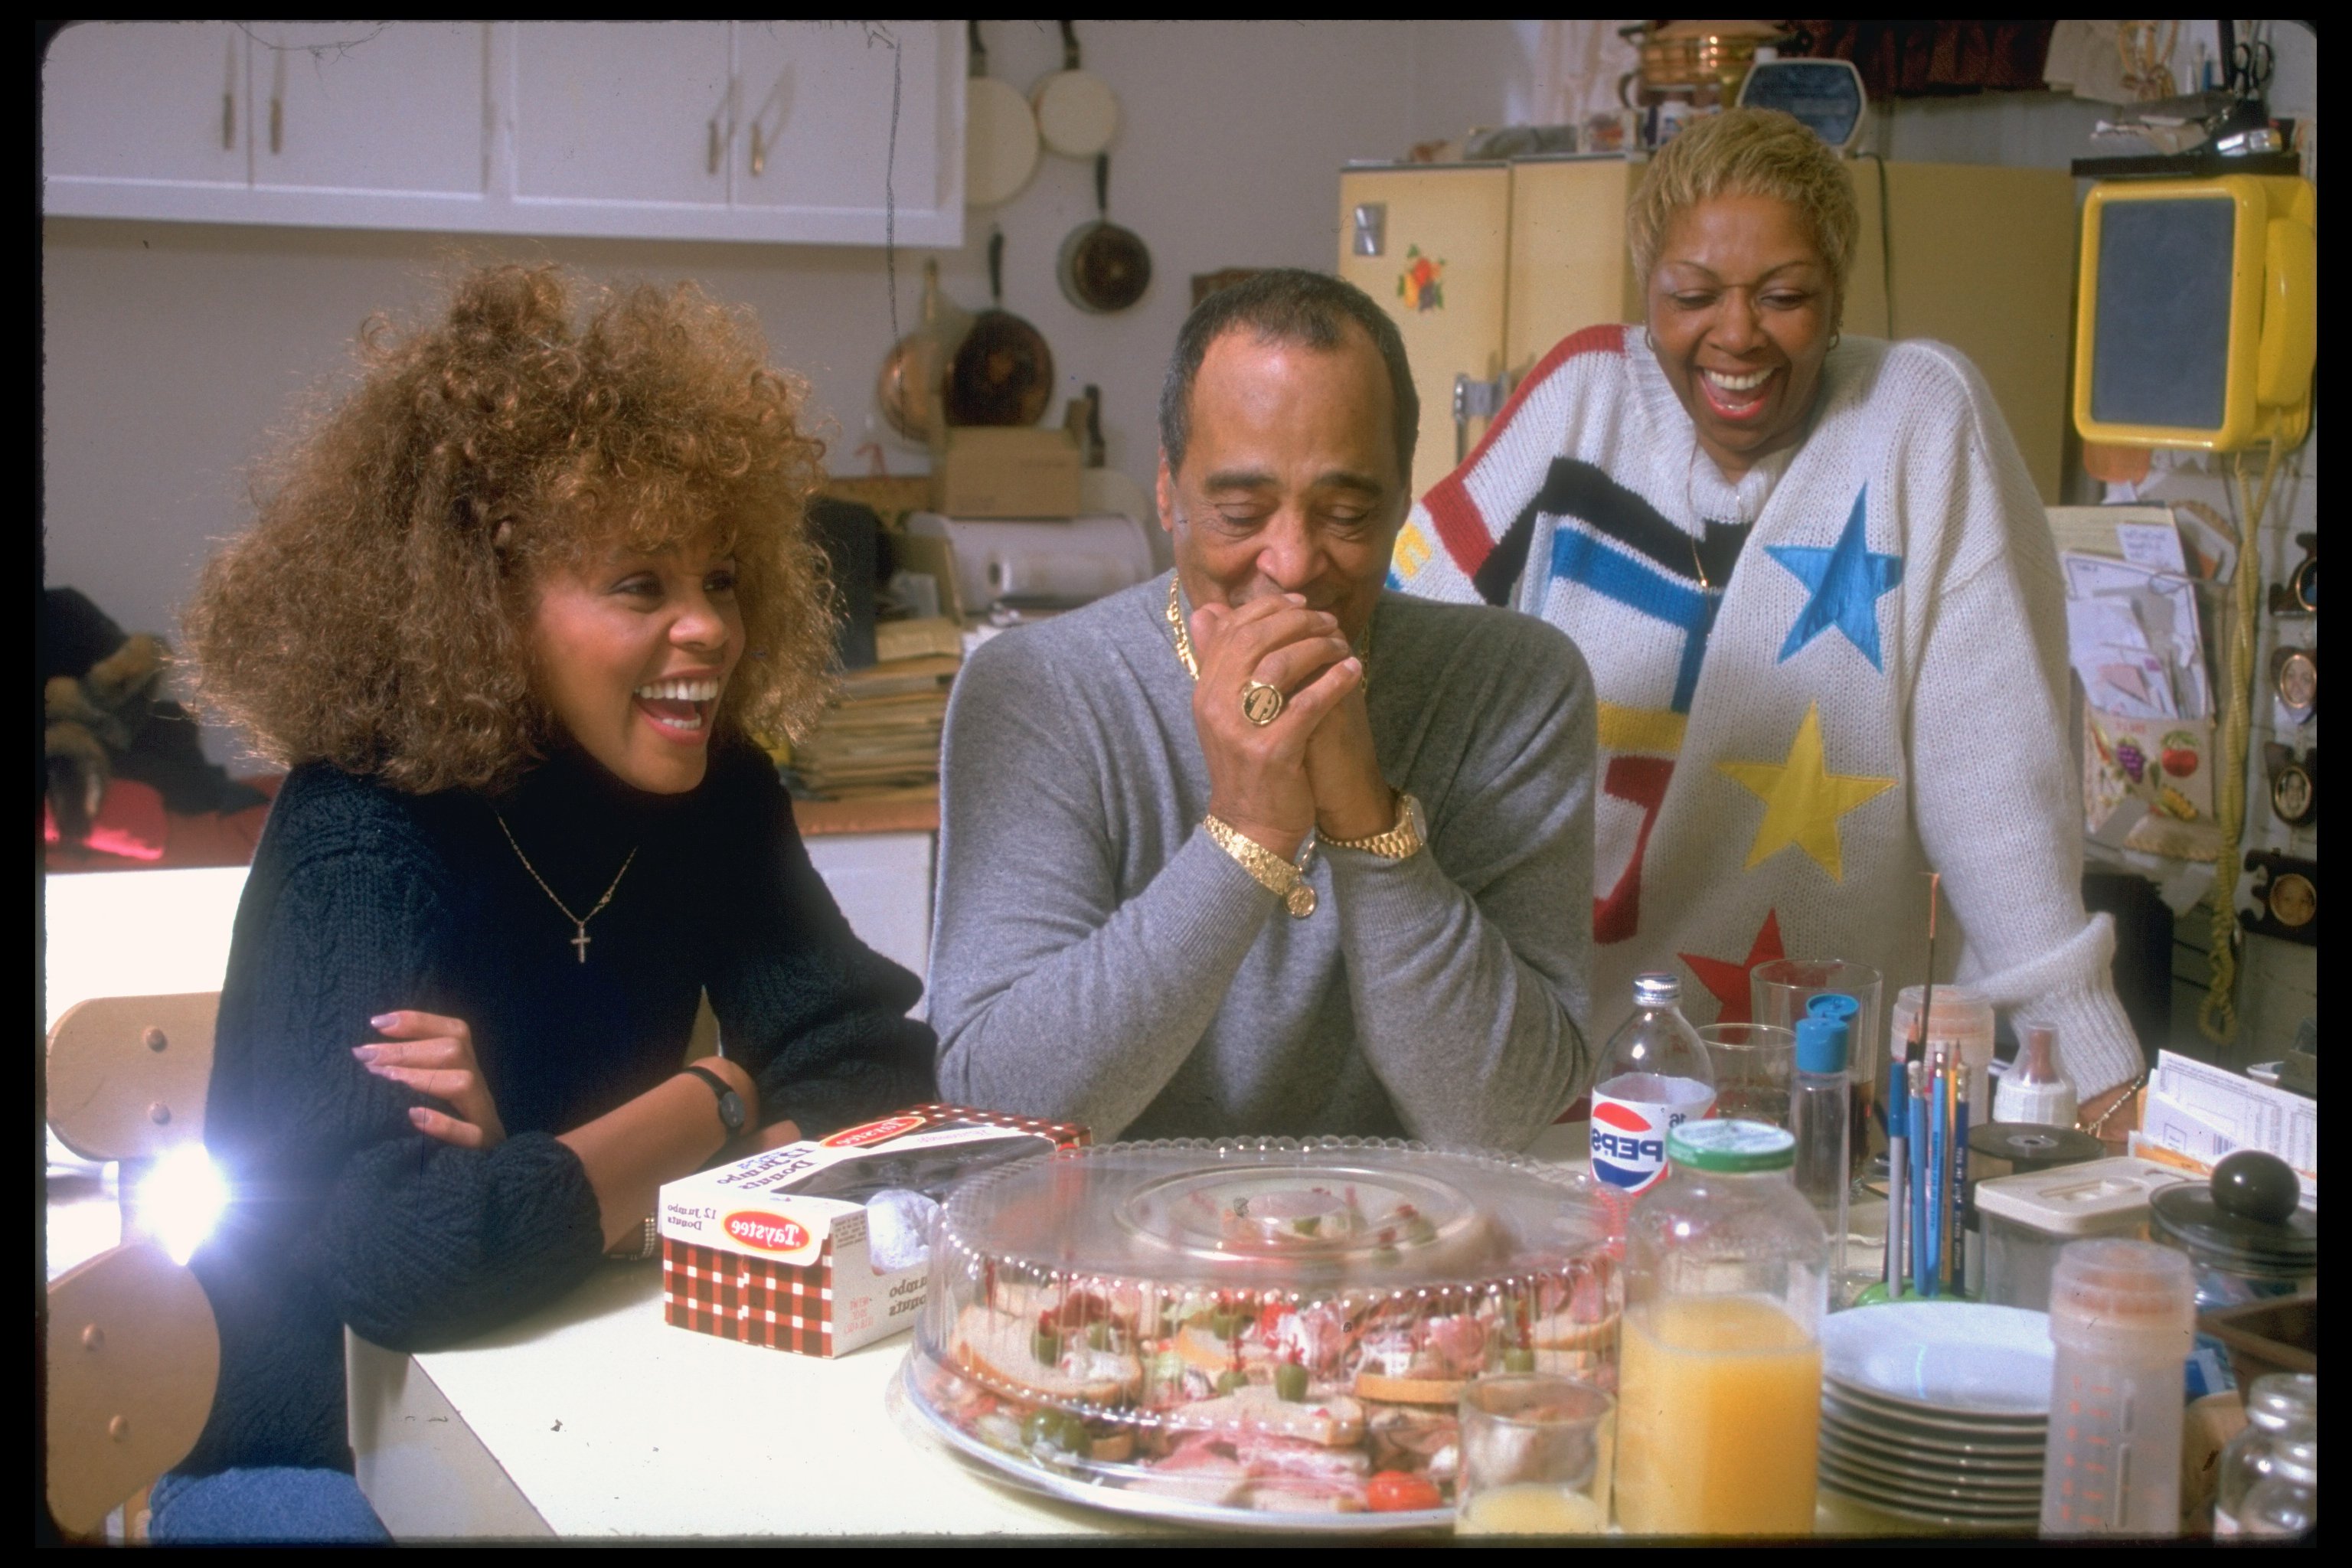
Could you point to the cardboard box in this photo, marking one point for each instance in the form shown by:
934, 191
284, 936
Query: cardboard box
1018, 471
775, 1249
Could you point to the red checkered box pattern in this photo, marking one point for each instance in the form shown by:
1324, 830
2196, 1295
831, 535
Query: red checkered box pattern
757, 1300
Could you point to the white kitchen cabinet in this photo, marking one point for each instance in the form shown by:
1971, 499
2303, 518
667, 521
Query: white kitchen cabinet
613, 114
779, 132
395, 108
882, 883
805, 138
159, 107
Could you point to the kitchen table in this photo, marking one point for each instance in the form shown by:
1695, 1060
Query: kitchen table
593, 1417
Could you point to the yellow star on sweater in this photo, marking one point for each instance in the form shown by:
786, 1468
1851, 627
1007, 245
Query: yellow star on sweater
1803, 799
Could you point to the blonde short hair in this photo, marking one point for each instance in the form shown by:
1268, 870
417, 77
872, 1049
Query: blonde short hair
1748, 152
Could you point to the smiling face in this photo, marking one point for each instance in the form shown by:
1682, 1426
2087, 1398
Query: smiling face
1741, 312
631, 652
1290, 482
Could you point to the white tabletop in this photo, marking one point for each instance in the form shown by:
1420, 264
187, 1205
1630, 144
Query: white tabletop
595, 1417
608, 1422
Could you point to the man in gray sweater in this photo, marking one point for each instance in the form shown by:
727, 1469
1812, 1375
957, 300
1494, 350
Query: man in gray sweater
1257, 848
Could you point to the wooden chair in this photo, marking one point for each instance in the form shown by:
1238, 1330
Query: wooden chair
133, 1353
128, 1076
133, 1356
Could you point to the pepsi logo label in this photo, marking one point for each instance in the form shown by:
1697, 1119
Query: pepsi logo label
874, 1131
767, 1232
1628, 1141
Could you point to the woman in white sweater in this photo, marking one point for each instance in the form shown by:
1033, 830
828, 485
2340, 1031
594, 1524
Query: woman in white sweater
1822, 607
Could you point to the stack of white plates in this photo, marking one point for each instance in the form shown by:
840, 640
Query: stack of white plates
1937, 1411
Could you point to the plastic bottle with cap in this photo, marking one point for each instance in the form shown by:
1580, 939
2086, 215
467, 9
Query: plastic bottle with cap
1719, 1370
2267, 1483
2122, 1315
2033, 1091
1819, 1111
1654, 1075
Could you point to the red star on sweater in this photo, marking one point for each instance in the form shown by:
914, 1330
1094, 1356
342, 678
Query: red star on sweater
1728, 980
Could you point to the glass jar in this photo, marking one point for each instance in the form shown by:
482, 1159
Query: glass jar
2267, 1481
1719, 1368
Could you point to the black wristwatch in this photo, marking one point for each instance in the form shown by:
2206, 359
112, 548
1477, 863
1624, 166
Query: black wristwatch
731, 1114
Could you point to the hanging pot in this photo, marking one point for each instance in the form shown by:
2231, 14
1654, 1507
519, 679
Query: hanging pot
1004, 372
1000, 147
1077, 114
1103, 267
914, 375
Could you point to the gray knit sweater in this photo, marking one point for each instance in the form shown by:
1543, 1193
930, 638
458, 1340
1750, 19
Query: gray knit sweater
1098, 958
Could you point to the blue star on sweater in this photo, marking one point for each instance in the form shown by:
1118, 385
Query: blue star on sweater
1847, 581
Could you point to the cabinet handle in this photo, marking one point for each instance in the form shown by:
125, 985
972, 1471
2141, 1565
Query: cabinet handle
714, 145
228, 122
759, 152
277, 125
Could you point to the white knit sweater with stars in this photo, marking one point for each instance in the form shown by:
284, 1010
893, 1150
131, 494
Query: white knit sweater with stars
1877, 687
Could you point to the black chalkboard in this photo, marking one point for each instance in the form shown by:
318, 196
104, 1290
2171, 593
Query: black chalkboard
2160, 353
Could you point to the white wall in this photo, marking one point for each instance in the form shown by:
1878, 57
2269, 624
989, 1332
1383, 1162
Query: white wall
173, 350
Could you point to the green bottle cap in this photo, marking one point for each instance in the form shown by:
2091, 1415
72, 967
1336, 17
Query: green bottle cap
1731, 1146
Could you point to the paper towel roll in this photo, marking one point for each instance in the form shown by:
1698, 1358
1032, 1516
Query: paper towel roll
1034, 575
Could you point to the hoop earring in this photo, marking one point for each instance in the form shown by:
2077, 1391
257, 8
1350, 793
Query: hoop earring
1647, 340
1836, 339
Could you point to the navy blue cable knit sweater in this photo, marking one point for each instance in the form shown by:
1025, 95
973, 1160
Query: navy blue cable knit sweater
363, 899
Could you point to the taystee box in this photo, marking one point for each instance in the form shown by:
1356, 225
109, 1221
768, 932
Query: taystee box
780, 1249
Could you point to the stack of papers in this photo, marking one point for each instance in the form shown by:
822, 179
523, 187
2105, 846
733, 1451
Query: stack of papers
2195, 1113
2133, 632
2136, 639
880, 738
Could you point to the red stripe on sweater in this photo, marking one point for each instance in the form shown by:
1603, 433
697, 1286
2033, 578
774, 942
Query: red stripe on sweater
1464, 533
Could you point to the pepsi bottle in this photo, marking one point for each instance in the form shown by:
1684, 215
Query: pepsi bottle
1654, 1075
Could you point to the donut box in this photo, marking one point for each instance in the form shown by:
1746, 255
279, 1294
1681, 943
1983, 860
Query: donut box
781, 1250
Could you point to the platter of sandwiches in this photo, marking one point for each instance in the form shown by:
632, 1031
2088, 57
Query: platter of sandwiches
1272, 1333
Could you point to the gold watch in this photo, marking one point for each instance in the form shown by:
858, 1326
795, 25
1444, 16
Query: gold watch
1401, 842
1275, 875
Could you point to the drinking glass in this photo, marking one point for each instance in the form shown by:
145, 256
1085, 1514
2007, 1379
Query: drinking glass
1536, 1455
1752, 1066
1777, 994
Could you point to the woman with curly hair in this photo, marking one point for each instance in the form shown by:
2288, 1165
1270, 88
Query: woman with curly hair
511, 613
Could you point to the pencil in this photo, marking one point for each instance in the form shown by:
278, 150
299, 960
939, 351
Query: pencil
1899, 1121
1959, 1179
1938, 1158
1919, 1076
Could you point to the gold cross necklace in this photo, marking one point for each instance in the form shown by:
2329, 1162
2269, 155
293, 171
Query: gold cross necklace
581, 938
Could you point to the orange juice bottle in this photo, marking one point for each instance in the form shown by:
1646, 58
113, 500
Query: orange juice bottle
1719, 1365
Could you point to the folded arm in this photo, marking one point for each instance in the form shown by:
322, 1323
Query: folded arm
813, 1014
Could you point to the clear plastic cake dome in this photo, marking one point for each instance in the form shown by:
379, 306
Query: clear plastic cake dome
1269, 1331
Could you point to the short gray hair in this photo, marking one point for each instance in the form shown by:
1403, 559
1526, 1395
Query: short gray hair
1286, 305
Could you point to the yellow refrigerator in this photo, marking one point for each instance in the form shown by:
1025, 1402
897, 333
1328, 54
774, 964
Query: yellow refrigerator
1484, 266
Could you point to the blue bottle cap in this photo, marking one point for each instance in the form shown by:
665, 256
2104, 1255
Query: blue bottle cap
1833, 1004
1820, 1045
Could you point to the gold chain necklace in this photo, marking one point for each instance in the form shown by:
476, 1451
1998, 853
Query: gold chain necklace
1192, 664
581, 938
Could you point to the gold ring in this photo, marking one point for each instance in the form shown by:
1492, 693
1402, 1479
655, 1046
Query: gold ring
1261, 704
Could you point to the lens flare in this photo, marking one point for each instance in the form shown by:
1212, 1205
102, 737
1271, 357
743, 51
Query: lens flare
181, 1199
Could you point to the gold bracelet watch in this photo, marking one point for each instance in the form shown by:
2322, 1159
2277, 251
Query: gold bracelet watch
1277, 876
1402, 842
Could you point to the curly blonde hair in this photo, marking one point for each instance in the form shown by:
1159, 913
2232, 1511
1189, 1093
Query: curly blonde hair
376, 615
1748, 152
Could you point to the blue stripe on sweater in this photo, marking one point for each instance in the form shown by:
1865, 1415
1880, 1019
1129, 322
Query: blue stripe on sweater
1578, 557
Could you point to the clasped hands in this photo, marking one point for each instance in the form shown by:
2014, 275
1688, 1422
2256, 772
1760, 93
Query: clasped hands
1313, 768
